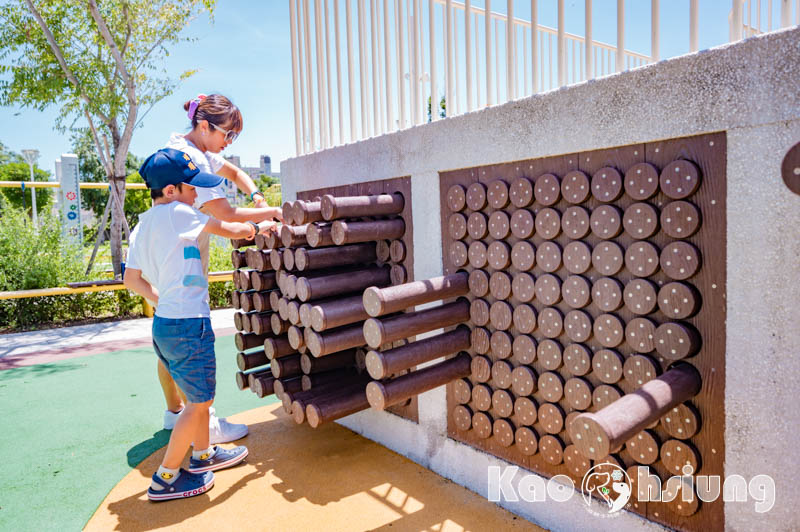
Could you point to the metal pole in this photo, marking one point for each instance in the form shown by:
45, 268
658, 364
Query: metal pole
655, 30
589, 55
350, 70
339, 100
534, 43
488, 31
293, 35
562, 74
432, 37
400, 62
31, 156
376, 86
309, 80
786, 13
693, 25
468, 41
450, 103
736, 21
510, 63
620, 35
328, 83
387, 64
477, 66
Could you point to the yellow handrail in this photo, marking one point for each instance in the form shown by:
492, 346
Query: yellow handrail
56, 184
213, 277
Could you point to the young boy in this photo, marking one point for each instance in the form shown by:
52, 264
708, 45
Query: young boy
164, 266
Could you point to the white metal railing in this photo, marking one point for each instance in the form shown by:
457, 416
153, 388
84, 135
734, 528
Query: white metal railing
363, 68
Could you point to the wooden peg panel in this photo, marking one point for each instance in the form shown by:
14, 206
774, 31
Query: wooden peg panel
463, 391
551, 418
456, 198
526, 410
478, 283
682, 422
577, 464
524, 349
482, 397
523, 287
680, 219
462, 416
481, 370
612, 246
643, 447
523, 256
482, 424
521, 192
502, 403
526, 441
676, 454
501, 374
522, 223
577, 359
500, 285
575, 222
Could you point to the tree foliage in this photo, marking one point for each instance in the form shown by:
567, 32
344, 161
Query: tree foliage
100, 61
14, 168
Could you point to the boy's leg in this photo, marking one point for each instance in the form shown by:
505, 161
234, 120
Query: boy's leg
191, 425
173, 395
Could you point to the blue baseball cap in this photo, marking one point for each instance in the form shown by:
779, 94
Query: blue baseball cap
170, 167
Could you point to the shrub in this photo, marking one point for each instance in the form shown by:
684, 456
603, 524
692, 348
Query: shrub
31, 258
219, 294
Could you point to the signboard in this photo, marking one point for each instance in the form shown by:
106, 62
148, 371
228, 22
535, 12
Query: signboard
70, 198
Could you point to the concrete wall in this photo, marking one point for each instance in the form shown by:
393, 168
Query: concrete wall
751, 90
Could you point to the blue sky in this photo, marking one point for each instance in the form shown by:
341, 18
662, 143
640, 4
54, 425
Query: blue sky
245, 54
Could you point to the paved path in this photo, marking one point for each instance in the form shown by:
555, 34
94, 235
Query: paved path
51, 345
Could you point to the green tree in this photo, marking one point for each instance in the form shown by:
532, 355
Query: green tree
136, 201
100, 61
20, 171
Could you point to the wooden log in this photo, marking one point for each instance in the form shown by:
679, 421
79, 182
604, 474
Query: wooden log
382, 364
377, 332
286, 367
274, 300
272, 240
290, 285
252, 257
241, 242
236, 300
263, 385
288, 259
293, 236
278, 325
278, 347
307, 211
283, 309
337, 312
296, 337
334, 340
315, 259
383, 250
382, 394
238, 320
241, 280
293, 308
249, 341
287, 212
379, 301
319, 235
335, 407
261, 300
357, 206
398, 275
238, 259
305, 314
247, 301
249, 376
263, 281
246, 361
276, 259
336, 376
322, 393
331, 362
260, 322
597, 434
341, 283
344, 232
292, 384
397, 251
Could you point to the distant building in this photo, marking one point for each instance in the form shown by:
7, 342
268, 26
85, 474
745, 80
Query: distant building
264, 166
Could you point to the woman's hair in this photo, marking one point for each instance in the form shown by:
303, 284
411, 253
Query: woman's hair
215, 108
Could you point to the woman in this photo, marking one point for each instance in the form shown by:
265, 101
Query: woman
216, 122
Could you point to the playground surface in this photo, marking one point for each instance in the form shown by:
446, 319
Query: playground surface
82, 420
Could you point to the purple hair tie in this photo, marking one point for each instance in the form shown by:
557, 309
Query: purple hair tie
192, 108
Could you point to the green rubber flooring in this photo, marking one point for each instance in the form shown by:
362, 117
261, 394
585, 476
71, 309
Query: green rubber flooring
69, 431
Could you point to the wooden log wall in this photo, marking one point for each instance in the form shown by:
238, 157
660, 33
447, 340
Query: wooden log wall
300, 297
593, 276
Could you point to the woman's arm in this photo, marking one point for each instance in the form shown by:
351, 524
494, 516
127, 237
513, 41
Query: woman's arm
237, 214
134, 281
235, 229
222, 210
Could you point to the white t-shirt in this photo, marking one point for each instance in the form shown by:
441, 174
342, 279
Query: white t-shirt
206, 161
164, 247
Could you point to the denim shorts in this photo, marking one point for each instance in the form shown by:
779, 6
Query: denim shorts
186, 347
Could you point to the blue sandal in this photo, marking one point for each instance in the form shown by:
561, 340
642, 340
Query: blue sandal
187, 485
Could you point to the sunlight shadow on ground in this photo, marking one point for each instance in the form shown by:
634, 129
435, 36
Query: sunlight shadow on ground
298, 478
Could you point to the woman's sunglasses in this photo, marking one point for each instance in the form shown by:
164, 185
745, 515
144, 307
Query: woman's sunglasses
230, 135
